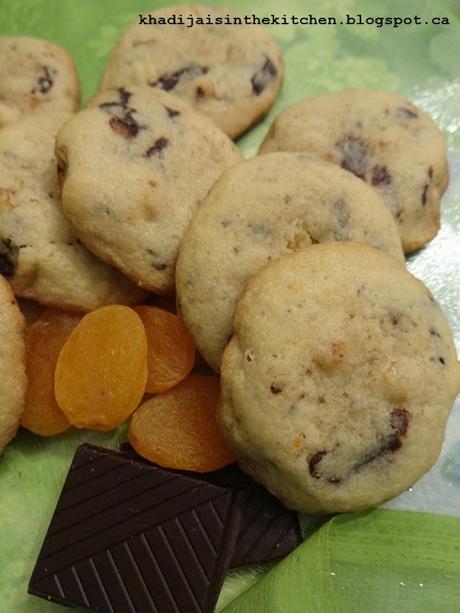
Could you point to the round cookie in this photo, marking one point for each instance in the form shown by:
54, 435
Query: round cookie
230, 73
40, 256
382, 138
338, 381
13, 382
257, 211
35, 74
137, 163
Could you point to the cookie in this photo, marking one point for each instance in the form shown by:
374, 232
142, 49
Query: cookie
35, 74
230, 73
257, 211
338, 381
39, 255
382, 138
13, 382
137, 163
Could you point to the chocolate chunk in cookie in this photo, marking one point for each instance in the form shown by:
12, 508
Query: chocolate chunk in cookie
263, 77
8, 257
169, 81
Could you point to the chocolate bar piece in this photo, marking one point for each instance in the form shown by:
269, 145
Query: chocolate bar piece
269, 530
128, 536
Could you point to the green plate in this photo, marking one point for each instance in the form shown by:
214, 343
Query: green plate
419, 61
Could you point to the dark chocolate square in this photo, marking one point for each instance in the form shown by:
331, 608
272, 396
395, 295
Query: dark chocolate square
269, 530
128, 536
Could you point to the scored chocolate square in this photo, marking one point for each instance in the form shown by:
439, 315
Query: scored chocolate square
268, 531
128, 536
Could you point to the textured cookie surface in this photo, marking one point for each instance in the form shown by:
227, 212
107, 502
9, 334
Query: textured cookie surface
39, 254
257, 211
12, 370
337, 384
382, 138
230, 73
34, 74
137, 164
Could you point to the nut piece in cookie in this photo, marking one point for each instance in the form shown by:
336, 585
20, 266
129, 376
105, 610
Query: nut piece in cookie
339, 378
230, 73
136, 163
39, 255
257, 211
13, 382
381, 138
35, 74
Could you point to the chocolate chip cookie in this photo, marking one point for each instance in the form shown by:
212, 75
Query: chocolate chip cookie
231, 73
382, 138
35, 74
39, 254
13, 382
257, 211
136, 164
339, 379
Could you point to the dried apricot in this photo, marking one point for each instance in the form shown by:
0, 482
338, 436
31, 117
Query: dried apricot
179, 429
102, 369
45, 338
170, 353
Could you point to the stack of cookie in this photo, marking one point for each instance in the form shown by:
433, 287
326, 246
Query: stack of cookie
133, 166
40, 256
338, 369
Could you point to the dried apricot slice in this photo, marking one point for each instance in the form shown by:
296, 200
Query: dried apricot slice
45, 338
102, 369
170, 353
179, 429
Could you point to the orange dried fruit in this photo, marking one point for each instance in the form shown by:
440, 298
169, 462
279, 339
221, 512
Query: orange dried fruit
45, 338
102, 368
170, 353
179, 429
